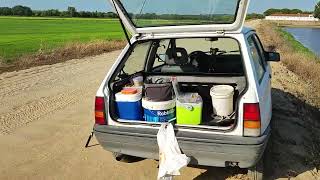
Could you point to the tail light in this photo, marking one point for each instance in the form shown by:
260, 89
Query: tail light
99, 111
251, 119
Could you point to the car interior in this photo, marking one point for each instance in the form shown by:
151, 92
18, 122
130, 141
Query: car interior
197, 63
213, 56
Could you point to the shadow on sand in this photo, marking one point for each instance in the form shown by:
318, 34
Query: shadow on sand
295, 144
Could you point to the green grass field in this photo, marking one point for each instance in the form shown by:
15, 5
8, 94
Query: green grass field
21, 36
24, 35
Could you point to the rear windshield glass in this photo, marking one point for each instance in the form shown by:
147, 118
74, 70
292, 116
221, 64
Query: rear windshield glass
189, 56
198, 56
148, 13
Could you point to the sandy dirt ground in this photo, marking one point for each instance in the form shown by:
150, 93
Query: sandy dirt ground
46, 116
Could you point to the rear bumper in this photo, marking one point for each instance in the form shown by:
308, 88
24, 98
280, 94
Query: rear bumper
204, 149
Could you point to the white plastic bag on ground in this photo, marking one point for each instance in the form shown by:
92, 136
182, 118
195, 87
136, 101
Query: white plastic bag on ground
170, 158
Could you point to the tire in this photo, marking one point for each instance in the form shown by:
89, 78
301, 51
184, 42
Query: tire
126, 158
118, 156
262, 169
257, 172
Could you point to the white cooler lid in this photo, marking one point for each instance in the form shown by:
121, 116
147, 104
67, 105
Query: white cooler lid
128, 97
158, 106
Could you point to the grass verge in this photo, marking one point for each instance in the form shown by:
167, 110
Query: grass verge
294, 56
306, 65
310, 24
68, 52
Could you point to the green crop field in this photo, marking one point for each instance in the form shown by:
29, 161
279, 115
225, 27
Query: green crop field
23, 35
27, 35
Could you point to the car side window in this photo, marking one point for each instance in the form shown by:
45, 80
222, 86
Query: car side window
136, 60
261, 50
161, 51
257, 58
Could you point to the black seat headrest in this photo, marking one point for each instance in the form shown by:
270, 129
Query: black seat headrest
177, 56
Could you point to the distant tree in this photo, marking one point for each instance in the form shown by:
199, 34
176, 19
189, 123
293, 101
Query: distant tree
72, 11
255, 16
270, 11
5, 11
285, 11
317, 10
21, 11
50, 12
82, 14
64, 14
94, 14
111, 15
296, 11
37, 13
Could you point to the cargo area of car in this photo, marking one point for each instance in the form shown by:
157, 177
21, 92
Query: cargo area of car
191, 72
189, 84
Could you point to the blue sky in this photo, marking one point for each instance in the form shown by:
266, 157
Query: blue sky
103, 5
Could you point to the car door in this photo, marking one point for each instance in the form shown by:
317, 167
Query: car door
262, 72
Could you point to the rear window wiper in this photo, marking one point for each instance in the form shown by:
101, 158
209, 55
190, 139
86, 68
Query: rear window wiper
225, 52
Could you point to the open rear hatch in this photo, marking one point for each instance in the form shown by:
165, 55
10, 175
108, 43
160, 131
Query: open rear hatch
170, 17
176, 16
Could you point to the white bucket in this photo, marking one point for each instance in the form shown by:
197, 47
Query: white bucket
222, 100
159, 111
158, 105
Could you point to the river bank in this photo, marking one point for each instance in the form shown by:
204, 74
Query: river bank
294, 56
309, 37
296, 44
295, 109
315, 24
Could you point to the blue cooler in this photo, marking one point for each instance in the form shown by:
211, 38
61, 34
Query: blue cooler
129, 106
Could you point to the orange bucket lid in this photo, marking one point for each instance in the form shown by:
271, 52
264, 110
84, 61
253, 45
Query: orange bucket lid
129, 91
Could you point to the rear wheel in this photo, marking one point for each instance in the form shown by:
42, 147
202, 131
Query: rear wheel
126, 158
263, 168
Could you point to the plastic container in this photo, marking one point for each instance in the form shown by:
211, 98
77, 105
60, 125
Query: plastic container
222, 100
129, 105
138, 88
159, 111
189, 109
129, 91
137, 81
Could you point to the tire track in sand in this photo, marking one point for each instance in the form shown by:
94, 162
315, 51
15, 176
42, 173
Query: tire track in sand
36, 109
29, 95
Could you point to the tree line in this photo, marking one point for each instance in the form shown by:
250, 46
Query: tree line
316, 11
285, 11
255, 16
70, 12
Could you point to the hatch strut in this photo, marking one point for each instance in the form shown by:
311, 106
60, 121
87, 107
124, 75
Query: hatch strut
122, 25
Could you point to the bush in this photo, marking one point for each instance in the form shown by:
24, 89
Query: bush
317, 10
